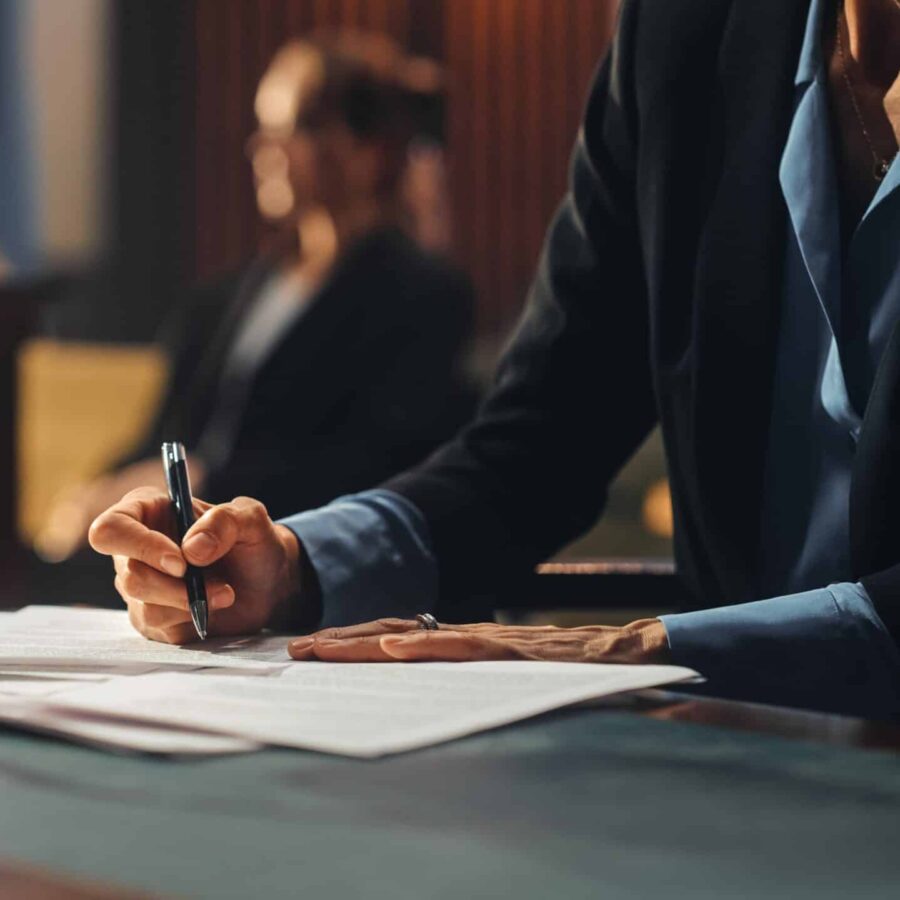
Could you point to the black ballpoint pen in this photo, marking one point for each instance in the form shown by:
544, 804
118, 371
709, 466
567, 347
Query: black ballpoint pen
175, 466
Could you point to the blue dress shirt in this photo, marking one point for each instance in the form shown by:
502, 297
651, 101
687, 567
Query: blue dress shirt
372, 556
814, 646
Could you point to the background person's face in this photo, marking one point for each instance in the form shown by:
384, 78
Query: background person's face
303, 156
323, 167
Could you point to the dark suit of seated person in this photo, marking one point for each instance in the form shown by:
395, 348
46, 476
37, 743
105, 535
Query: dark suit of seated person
334, 361
726, 264
363, 381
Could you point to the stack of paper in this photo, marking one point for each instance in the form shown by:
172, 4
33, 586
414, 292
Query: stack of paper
52, 637
48, 651
84, 674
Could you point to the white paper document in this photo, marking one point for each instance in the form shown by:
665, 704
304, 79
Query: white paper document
104, 640
362, 709
43, 684
48, 651
87, 675
105, 732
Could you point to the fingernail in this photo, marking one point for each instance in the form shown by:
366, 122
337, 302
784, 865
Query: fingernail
397, 638
220, 598
201, 545
172, 564
301, 644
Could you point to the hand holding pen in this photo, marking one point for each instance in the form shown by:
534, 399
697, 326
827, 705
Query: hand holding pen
252, 566
179, 485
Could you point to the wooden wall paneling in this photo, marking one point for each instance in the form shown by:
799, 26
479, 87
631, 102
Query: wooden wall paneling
425, 27
239, 65
150, 180
464, 132
511, 200
327, 13
299, 18
536, 162
214, 181
520, 71
234, 42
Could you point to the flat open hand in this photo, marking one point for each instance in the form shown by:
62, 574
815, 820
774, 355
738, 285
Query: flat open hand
402, 640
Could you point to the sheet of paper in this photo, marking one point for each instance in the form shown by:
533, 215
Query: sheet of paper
21, 705
65, 673
109, 733
265, 648
76, 672
41, 685
364, 710
53, 636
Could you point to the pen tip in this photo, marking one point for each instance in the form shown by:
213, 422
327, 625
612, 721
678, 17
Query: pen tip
199, 615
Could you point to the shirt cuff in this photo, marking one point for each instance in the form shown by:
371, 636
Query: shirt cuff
824, 649
372, 555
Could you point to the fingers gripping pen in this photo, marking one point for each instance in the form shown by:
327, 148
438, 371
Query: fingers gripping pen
175, 466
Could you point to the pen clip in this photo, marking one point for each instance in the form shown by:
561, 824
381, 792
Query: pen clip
172, 454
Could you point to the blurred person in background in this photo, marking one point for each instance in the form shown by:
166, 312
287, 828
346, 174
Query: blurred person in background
333, 361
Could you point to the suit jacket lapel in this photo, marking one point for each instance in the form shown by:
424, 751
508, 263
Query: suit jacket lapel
205, 384
335, 309
739, 284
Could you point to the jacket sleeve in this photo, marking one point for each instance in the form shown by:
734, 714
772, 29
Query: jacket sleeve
421, 395
573, 396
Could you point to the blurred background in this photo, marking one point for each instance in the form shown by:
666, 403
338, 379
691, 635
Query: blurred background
126, 180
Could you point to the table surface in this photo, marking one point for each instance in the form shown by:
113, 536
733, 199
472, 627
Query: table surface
587, 802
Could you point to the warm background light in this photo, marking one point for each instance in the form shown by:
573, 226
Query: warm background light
657, 509
80, 407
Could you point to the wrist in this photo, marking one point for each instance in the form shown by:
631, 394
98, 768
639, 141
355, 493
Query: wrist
648, 641
289, 579
299, 595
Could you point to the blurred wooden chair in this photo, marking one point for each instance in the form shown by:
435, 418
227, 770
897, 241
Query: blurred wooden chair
623, 583
81, 406
592, 591
20, 301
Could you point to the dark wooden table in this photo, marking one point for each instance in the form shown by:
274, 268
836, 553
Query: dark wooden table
772, 720
18, 882
676, 795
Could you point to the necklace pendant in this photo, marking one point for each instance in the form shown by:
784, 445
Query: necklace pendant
880, 169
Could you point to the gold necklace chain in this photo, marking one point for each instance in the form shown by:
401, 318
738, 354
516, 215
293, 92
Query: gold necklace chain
880, 164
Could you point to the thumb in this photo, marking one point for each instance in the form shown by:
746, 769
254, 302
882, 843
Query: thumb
216, 532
